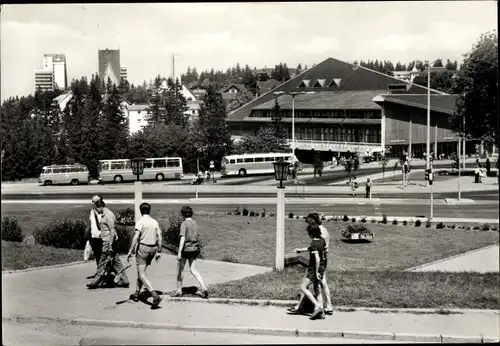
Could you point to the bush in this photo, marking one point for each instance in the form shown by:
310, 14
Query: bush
494, 228
363, 219
353, 219
257, 214
476, 228
374, 221
395, 222
237, 211
405, 223
453, 226
468, 228
356, 228
428, 223
125, 236
11, 230
440, 225
125, 217
68, 234
245, 212
486, 227
263, 214
290, 215
384, 219
418, 223
252, 213
272, 214
345, 218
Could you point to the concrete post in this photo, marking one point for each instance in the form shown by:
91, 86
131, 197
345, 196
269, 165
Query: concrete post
458, 156
409, 145
280, 230
436, 141
382, 131
137, 199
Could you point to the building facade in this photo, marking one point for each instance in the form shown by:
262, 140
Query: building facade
109, 65
44, 80
123, 73
342, 108
53, 74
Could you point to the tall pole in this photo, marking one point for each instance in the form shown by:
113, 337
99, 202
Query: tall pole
280, 230
458, 158
436, 140
293, 124
428, 149
138, 198
463, 137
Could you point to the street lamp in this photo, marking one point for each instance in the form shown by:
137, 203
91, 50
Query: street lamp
137, 164
281, 173
293, 94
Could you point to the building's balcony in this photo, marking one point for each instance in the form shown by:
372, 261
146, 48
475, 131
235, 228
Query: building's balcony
309, 144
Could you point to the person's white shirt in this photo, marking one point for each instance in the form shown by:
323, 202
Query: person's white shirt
94, 228
325, 235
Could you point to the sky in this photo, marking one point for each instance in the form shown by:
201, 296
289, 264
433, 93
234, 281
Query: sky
219, 35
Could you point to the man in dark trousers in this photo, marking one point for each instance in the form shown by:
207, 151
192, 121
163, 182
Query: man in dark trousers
212, 170
488, 165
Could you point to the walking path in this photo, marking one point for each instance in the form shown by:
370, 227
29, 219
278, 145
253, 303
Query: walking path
59, 293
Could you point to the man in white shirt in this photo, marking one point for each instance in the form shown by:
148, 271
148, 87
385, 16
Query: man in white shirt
94, 232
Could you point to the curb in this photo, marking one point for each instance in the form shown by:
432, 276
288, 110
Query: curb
462, 201
450, 258
262, 331
287, 303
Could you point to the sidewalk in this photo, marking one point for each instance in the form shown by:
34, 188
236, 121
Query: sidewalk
60, 293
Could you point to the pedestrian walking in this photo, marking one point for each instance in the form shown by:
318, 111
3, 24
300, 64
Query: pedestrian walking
315, 271
93, 232
109, 261
354, 186
368, 188
189, 250
212, 170
146, 245
488, 166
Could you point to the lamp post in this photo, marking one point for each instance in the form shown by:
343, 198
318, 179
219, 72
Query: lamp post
137, 169
281, 172
293, 94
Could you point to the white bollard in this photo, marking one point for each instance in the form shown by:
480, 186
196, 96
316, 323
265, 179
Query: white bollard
196, 191
137, 199
280, 230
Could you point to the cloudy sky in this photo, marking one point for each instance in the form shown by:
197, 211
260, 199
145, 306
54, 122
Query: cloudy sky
220, 35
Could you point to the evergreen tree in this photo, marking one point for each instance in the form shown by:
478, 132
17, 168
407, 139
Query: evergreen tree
175, 104
114, 125
277, 120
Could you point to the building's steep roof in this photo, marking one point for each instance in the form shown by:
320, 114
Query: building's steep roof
325, 100
138, 107
439, 103
240, 87
268, 84
339, 76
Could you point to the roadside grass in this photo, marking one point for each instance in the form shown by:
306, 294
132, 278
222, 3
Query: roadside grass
418, 178
386, 289
17, 256
251, 240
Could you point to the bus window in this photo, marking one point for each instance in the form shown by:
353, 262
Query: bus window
239, 160
118, 165
105, 166
56, 170
160, 163
249, 160
173, 163
269, 159
225, 161
148, 164
128, 165
47, 171
259, 159
232, 161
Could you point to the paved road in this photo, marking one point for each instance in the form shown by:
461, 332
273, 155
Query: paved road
20, 334
477, 211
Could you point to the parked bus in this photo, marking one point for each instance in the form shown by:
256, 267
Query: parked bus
64, 174
161, 168
245, 164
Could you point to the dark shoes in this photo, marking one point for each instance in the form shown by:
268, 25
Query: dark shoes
156, 302
92, 286
317, 314
134, 297
204, 294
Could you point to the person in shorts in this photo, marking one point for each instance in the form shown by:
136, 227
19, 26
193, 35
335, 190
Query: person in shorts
146, 244
189, 250
315, 270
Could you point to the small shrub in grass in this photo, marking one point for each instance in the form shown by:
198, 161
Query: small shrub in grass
272, 214
252, 213
353, 219
440, 225
360, 228
418, 223
237, 211
453, 226
476, 228
68, 234
384, 219
263, 214
11, 230
297, 217
125, 235
395, 222
428, 223
494, 228
405, 223
345, 218
229, 258
257, 214
290, 215
245, 212
363, 219
125, 217
374, 221
468, 228
486, 227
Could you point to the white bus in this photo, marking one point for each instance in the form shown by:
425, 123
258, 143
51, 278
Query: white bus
158, 168
245, 164
64, 174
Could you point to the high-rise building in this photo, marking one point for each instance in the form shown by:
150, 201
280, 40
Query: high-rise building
53, 74
109, 65
44, 80
123, 72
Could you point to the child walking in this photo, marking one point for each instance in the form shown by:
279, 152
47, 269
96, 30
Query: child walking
146, 244
315, 270
189, 250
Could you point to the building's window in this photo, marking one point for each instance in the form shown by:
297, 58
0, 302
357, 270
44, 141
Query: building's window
305, 83
320, 83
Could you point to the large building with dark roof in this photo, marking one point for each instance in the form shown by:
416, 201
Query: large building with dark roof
352, 109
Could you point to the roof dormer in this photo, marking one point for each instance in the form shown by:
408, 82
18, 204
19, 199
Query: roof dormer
320, 83
305, 83
335, 82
